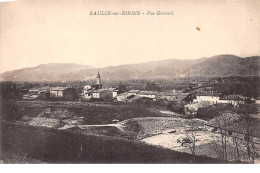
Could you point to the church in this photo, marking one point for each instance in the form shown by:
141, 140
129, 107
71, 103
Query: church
97, 92
98, 84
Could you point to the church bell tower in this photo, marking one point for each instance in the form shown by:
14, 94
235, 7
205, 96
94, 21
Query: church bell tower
98, 81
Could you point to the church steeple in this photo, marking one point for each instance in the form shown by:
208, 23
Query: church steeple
98, 75
98, 82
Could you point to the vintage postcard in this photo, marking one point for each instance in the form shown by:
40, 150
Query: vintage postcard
130, 81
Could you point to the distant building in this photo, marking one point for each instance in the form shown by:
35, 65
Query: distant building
65, 93
182, 98
177, 91
34, 93
257, 100
176, 97
87, 91
103, 94
122, 97
233, 99
114, 91
133, 92
87, 87
207, 97
149, 94
192, 109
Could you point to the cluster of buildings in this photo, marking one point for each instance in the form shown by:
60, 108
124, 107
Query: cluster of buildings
207, 98
173, 96
69, 93
64, 93
96, 92
215, 98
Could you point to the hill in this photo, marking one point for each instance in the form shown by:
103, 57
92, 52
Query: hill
43, 72
220, 65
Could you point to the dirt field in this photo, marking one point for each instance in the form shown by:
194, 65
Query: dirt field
30, 144
136, 123
165, 131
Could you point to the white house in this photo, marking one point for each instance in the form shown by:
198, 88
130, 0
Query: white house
114, 91
102, 94
208, 97
133, 92
233, 99
149, 94
87, 91
122, 97
57, 91
257, 100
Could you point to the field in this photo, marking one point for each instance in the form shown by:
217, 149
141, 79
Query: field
45, 145
78, 132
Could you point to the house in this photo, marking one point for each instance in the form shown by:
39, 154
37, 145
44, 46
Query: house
87, 91
207, 97
87, 87
175, 97
103, 94
257, 100
34, 93
66, 93
30, 97
182, 98
122, 97
233, 99
133, 92
192, 108
177, 91
114, 91
149, 94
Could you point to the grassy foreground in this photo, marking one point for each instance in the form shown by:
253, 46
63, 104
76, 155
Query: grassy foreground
28, 144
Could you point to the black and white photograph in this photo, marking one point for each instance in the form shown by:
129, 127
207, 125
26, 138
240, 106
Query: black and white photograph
129, 82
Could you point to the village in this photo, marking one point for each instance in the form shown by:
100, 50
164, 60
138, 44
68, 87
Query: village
196, 118
202, 96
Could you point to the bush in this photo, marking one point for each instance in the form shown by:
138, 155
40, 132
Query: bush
144, 100
213, 111
176, 107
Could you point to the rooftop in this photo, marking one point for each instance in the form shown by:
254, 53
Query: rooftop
178, 97
233, 97
59, 88
133, 91
148, 92
209, 94
39, 88
100, 90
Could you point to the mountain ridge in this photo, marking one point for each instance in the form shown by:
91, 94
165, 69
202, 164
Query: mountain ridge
218, 65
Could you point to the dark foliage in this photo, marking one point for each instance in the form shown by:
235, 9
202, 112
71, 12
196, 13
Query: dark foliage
152, 87
176, 107
213, 111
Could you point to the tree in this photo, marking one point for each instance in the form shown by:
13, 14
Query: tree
121, 88
191, 135
213, 111
222, 122
176, 107
248, 123
152, 87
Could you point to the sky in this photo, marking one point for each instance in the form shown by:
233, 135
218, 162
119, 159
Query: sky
34, 32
